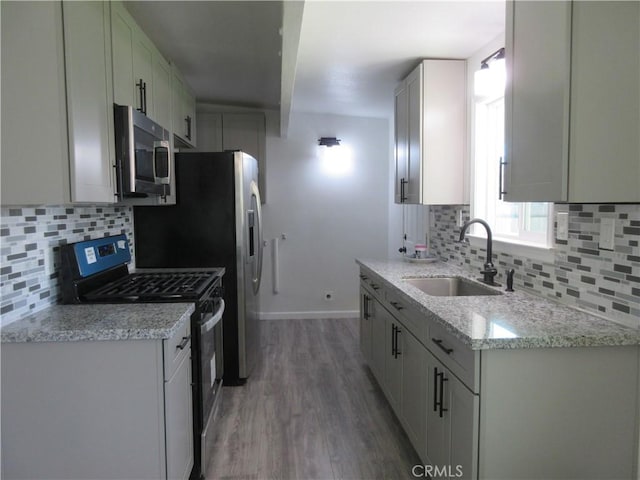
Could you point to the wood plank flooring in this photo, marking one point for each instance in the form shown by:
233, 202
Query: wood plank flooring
311, 410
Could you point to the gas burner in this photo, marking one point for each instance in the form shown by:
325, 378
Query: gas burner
165, 286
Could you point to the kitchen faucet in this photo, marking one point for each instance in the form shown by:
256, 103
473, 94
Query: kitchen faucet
489, 270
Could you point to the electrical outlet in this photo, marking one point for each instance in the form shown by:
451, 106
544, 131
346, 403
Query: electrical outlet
328, 296
460, 217
562, 230
607, 233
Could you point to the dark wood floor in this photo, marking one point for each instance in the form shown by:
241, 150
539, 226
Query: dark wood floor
312, 410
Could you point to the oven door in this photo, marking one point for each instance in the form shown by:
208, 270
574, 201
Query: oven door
211, 366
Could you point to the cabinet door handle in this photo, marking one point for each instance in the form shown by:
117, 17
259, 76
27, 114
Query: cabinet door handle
140, 91
398, 352
438, 342
442, 380
435, 389
403, 197
366, 314
144, 96
188, 134
501, 190
363, 277
183, 343
375, 287
393, 340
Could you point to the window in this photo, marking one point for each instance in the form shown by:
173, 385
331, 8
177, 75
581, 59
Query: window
523, 223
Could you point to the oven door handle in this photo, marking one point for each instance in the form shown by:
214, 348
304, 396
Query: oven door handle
211, 322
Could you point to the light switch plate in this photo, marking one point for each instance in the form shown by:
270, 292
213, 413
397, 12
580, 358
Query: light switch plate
607, 233
562, 230
460, 217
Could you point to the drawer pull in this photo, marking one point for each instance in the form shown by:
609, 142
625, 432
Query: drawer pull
364, 277
396, 305
438, 342
375, 287
183, 343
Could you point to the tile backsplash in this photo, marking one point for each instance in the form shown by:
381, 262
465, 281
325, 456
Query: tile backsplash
602, 282
30, 238
606, 283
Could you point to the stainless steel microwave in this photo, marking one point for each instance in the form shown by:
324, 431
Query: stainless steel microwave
143, 154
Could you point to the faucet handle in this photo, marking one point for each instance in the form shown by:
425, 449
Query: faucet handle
489, 273
489, 268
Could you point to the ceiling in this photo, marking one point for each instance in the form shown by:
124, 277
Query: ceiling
352, 54
340, 57
228, 51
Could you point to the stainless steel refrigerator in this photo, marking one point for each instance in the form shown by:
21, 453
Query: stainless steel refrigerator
216, 222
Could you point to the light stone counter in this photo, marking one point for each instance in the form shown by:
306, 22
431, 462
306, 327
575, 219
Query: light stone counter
511, 320
94, 322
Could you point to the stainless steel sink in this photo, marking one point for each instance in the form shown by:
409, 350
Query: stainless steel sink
450, 287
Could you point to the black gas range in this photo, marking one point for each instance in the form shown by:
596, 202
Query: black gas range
96, 271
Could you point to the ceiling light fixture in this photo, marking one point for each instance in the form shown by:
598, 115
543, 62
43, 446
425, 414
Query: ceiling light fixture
329, 141
497, 55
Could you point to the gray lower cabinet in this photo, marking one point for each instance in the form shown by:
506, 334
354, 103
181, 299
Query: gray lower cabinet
515, 413
414, 388
117, 409
451, 442
378, 343
366, 311
398, 361
393, 335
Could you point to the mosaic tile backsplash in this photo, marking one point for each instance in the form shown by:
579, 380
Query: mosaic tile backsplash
606, 283
602, 282
30, 239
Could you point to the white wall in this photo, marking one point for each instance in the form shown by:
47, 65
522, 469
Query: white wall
328, 220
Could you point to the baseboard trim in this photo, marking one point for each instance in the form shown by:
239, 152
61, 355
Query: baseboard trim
308, 315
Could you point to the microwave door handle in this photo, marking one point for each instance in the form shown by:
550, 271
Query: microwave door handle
169, 168
156, 144
164, 144
132, 152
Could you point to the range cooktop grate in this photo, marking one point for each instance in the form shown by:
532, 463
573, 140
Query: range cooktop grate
155, 286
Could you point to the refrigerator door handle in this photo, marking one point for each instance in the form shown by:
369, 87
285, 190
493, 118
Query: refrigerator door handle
255, 194
251, 221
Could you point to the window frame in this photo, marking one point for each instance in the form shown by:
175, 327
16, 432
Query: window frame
539, 247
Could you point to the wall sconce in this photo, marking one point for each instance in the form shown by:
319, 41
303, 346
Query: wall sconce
489, 81
335, 162
497, 55
329, 141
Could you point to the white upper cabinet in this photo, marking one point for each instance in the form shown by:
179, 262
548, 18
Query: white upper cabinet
35, 155
236, 131
183, 105
162, 91
57, 103
604, 142
87, 46
141, 75
430, 128
572, 102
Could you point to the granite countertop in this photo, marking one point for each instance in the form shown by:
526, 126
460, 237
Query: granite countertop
130, 321
512, 320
